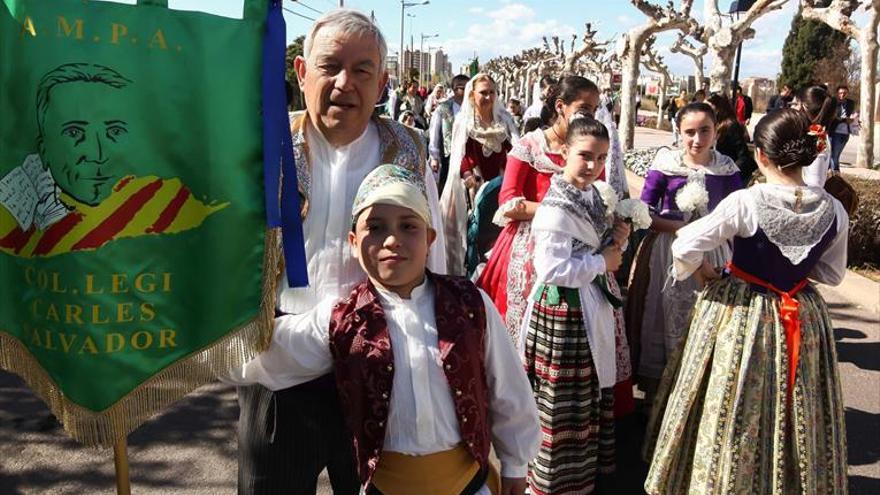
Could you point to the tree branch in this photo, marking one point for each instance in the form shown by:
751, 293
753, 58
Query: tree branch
837, 16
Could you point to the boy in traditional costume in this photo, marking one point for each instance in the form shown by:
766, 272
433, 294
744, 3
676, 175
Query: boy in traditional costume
426, 372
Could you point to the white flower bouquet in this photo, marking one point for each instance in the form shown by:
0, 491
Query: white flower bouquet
693, 198
634, 211
608, 195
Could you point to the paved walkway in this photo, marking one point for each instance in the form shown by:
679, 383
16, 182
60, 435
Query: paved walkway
646, 137
191, 448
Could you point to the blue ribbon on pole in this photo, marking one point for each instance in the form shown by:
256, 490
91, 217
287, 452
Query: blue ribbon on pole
279, 168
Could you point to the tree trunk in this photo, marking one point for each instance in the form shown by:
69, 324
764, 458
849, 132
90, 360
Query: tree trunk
629, 62
876, 126
699, 74
629, 86
867, 109
721, 74
661, 99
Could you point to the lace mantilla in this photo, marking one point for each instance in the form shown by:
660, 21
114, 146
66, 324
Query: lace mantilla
671, 162
532, 149
614, 164
491, 137
794, 218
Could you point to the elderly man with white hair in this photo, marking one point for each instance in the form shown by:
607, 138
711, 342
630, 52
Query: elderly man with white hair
289, 434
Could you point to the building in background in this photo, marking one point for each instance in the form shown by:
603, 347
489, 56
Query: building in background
441, 69
391, 66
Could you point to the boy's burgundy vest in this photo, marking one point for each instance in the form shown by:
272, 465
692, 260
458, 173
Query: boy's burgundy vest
364, 363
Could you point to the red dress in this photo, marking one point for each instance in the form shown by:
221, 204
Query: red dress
490, 166
526, 177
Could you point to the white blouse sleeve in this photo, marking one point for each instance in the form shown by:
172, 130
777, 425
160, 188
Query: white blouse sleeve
554, 263
816, 173
299, 352
437, 253
516, 433
435, 136
732, 217
831, 267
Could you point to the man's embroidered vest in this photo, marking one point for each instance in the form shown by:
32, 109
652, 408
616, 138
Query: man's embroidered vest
364, 363
398, 145
447, 118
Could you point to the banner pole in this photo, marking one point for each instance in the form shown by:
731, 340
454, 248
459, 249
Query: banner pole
120, 461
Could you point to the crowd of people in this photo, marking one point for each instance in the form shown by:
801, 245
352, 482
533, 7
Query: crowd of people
464, 294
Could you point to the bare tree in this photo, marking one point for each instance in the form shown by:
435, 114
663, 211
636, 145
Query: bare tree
838, 16
588, 52
630, 49
696, 53
722, 40
654, 63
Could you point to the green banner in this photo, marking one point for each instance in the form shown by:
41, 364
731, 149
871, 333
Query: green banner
132, 214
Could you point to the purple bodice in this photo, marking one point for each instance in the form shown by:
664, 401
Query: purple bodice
660, 190
758, 256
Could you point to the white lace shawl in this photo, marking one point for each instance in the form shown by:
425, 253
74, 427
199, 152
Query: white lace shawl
794, 219
614, 171
669, 162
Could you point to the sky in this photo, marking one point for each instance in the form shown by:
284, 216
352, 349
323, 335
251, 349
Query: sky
490, 28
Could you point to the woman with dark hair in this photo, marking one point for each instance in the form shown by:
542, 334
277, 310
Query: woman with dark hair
413, 102
733, 138
535, 158
540, 98
681, 185
756, 404
820, 108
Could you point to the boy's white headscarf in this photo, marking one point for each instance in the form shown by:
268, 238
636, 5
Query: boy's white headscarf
392, 185
453, 205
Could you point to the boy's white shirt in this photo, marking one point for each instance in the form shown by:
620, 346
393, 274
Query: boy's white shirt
422, 418
553, 230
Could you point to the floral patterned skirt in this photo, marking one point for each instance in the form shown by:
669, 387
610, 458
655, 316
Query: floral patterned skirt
667, 305
729, 427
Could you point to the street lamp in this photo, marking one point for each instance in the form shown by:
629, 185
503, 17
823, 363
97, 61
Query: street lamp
422, 54
403, 6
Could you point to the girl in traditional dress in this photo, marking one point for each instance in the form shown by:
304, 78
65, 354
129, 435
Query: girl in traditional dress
508, 276
709, 177
530, 164
569, 327
756, 406
481, 137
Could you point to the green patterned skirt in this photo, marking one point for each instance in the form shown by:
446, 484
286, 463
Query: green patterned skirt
728, 426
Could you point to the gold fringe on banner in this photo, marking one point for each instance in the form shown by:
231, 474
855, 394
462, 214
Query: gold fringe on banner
105, 428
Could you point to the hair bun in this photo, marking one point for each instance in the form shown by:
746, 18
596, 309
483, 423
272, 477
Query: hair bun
798, 152
785, 137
